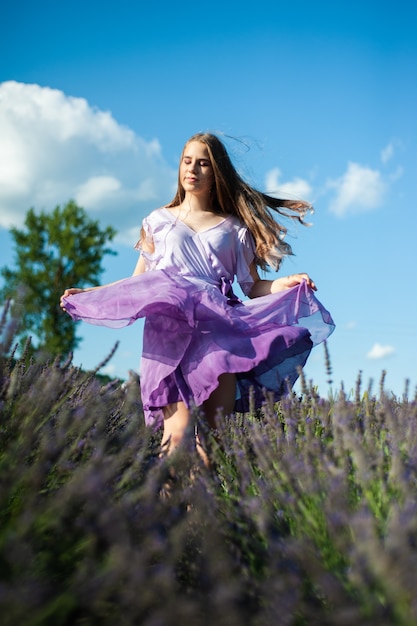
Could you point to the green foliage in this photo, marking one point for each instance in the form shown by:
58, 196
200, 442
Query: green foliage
307, 515
52, 252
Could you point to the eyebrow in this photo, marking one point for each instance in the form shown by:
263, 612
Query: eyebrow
202, 158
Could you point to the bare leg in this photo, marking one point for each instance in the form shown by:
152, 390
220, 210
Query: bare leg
176, 420
221, 400
177, 417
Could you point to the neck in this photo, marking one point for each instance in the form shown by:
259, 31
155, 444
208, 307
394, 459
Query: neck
196, 204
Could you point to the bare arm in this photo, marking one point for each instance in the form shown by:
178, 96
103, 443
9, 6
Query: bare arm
265, 287
140, 268
146, 246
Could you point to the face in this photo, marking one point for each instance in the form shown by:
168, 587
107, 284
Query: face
196, 172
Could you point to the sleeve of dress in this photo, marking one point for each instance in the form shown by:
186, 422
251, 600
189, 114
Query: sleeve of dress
146, 236
245, 256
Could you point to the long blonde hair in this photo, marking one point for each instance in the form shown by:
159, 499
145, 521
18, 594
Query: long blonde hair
231, 195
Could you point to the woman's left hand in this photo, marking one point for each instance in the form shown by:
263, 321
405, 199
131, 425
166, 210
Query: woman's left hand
296, 279
264, 287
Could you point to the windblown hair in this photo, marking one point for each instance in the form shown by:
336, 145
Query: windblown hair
231, 195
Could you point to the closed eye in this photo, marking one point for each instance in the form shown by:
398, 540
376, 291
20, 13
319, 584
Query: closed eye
201, 162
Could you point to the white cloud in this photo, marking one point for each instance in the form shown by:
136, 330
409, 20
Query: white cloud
359, 189
351, 325
396, 174
379, 351
109, 370
96, 189
54, 147
387, 153
296, 188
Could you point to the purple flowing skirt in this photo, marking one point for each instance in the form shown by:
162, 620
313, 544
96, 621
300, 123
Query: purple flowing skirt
193, 333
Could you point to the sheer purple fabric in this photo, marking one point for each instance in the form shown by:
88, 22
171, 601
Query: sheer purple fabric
196, 328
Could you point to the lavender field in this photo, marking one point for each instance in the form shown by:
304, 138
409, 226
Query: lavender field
308, 514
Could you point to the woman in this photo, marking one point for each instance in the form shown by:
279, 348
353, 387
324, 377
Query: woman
203, 346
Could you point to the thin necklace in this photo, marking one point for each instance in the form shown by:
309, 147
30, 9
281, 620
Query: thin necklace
184, 219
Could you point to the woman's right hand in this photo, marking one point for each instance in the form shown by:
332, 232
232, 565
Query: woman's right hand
69, 292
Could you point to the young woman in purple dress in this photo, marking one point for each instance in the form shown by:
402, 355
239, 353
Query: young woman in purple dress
203, 346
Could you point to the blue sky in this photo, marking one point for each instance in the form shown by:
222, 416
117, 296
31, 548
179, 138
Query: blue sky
315, 99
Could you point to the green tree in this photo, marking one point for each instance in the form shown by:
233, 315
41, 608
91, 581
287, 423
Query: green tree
53, 251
